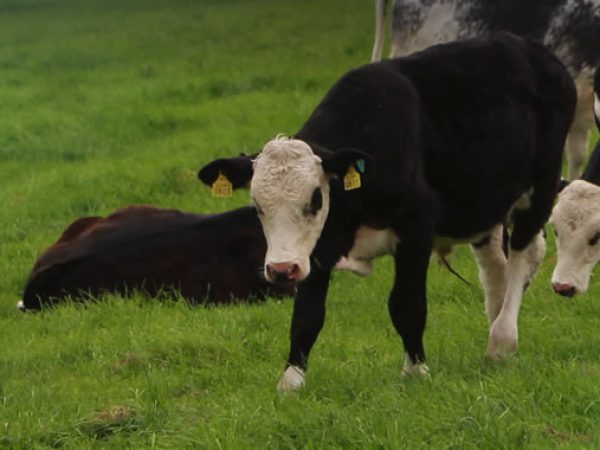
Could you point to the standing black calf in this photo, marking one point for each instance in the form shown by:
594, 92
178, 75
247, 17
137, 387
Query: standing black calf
410, 155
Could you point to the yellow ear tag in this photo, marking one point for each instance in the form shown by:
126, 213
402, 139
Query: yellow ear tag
222, 187
351, 179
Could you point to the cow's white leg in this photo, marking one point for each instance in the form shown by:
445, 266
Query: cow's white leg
576, 150
520, 268
577, 141
380, 9
492, 265
291, 380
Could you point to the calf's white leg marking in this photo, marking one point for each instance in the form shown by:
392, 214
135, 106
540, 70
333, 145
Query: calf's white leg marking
520, 269
492, 266
411, 369
292, 379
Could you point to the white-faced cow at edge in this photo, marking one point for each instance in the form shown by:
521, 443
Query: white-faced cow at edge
570, 28
443, 144
576, 221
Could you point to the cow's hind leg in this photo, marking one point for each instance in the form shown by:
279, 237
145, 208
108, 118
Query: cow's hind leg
307, 320
527, 244
520, 269
491, 261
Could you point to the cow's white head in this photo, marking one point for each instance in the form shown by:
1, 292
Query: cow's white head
576, 221
290, 190
289, 185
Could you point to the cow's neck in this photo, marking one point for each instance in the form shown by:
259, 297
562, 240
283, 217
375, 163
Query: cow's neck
338, 232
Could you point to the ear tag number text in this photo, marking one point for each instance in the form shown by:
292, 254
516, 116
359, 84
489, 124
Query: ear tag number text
351, 179
222, 187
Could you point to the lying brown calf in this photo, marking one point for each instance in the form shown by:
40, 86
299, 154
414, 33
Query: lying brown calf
207, 258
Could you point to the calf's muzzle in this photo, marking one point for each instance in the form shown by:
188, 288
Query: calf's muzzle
285, 272
564, 289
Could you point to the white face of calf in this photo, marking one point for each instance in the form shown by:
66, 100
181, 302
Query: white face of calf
291, 192
576, 220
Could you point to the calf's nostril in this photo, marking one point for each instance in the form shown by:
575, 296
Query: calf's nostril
564, 289
293, 271
569, 292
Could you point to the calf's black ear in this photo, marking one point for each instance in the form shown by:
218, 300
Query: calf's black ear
238, 171
338, 162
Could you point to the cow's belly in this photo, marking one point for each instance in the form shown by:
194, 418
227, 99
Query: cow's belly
369, 243
443, 245
444, 242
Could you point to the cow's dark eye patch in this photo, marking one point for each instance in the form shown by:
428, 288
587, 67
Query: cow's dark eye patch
595, 238
316, 203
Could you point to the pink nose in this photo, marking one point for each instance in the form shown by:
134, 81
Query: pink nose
283, 272
564, 289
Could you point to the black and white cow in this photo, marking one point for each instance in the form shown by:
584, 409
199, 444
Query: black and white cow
425, 152
571, 28
576, 222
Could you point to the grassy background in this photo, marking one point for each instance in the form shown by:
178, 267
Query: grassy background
105, 103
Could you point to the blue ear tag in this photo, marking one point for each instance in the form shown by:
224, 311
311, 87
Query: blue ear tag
360, 165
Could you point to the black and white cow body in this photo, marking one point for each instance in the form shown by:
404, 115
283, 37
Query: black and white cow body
570, 28
576, 222
447, 142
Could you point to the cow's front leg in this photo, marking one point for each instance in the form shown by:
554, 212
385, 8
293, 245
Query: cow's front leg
520, 269
491, 261
307, 320
576, 149
577, 140
408, 304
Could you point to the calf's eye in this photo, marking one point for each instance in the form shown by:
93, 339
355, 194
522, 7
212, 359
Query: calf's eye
595, 238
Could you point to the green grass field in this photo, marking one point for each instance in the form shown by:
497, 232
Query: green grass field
105, 103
